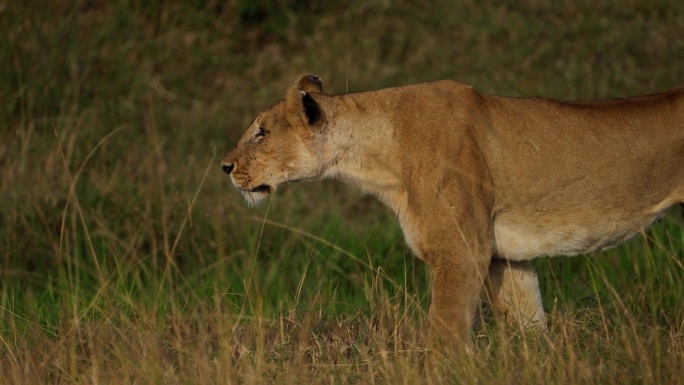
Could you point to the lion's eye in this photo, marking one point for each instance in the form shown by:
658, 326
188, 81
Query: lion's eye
261, 132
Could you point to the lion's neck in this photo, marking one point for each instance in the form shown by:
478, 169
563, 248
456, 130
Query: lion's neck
363, 151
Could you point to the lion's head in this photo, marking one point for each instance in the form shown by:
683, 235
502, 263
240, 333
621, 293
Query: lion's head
281, 144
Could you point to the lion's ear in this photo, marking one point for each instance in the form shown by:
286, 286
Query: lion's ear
302, 109
309, 83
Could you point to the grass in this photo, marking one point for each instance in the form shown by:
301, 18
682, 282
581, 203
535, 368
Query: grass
126, 256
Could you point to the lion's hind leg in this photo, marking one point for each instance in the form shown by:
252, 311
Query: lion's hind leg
514, 291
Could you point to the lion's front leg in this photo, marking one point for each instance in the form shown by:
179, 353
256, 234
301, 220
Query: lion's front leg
459, 261
456, 292
513, 287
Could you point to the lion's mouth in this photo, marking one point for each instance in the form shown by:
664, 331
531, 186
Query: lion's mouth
261, 188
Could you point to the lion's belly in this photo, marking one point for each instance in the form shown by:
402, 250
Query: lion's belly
523, 237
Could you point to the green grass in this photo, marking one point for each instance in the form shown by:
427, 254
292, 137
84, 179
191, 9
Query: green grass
126, 256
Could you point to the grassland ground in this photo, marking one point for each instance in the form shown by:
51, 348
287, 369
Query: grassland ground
126, 256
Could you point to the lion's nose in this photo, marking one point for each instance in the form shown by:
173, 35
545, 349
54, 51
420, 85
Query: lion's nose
227, 167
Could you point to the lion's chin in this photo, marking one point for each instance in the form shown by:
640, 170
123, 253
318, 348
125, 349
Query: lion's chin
257, 194
254, 198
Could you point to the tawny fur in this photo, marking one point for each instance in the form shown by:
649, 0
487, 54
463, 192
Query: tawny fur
480, 184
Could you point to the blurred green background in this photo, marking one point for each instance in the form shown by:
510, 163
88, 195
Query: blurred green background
114, 116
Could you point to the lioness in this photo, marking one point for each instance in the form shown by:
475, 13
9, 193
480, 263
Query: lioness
481, 184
